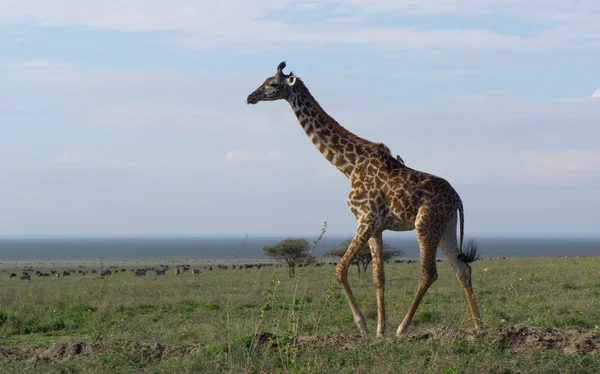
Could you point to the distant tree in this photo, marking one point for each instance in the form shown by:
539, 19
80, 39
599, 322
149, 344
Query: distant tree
363, 257
294, 251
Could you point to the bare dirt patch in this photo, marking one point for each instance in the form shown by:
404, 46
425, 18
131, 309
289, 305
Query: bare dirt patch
514, 338
77, 349
569, 341
522, 338
62, 352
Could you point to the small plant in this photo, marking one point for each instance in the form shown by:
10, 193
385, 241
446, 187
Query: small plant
269, 296
3, 318
429, 316
211, 306
575, 321
451, 370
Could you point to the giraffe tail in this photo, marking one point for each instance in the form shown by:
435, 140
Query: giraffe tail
470, 253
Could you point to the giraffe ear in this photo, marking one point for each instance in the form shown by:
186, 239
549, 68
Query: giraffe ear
291, 80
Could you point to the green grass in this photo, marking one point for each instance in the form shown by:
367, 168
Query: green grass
207, 323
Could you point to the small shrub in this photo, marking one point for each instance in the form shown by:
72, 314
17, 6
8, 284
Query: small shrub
574, 321
3, 317
146, 307
188, 306
211, 306
247, 306
429, 316
451, 370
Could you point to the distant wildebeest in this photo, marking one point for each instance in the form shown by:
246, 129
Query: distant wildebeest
195, 271
66, 273
26, 277
94, 271
13, 275
106, 272
140, 273
161, 272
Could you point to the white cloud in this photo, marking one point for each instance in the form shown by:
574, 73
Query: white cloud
274, 24
249, 156
564, 164
596, 94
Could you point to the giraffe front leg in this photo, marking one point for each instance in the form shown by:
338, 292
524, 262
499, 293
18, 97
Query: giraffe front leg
376, 244
362, 235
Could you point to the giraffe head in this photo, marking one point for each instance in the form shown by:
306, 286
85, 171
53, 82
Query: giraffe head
277, 87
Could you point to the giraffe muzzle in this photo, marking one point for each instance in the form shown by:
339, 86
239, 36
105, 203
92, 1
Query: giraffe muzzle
251, 99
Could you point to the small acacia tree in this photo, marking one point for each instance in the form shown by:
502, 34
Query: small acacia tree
293, 251
363, 256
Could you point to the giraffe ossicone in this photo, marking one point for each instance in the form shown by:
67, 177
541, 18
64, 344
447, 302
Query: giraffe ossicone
385, 194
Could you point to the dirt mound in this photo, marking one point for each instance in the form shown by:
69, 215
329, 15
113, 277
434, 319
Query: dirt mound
62, 352
78, 349
514, 338
569, 341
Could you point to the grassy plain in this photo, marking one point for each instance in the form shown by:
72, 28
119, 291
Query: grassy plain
541, 315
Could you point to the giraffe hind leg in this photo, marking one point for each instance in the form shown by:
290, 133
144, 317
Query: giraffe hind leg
428, 241
449, 247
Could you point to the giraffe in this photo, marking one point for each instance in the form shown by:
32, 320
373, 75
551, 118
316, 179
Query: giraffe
385, 194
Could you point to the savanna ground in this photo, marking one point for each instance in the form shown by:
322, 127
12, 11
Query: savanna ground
541, 315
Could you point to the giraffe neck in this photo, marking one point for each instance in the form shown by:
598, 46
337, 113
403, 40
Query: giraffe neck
339, 146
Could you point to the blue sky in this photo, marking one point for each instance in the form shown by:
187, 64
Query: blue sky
128, 118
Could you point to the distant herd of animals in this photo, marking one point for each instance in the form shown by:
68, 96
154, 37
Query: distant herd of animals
27, 272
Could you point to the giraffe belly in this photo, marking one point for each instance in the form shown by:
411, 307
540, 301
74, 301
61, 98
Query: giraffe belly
395, 223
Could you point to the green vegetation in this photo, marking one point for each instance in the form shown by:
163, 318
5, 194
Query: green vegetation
261, 320
293, 251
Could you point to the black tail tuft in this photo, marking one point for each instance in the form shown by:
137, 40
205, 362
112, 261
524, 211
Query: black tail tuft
470, 253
